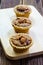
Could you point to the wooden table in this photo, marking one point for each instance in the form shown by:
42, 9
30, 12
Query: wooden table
37, 60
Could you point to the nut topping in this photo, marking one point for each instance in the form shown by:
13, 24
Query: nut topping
23, 9
21, 21
21, 40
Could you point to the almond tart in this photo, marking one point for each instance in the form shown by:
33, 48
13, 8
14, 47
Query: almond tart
21, 42
22, 10
21, 24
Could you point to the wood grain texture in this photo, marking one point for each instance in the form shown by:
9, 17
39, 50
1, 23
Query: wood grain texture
9, 3
5, 61
38, 60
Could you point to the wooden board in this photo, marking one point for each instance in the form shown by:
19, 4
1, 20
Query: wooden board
36, 32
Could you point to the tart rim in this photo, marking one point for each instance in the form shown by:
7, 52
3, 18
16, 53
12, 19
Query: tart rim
19, 47
22, 27
22, 13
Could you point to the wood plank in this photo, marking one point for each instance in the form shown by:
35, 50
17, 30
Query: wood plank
5, 61
37, 60
9, 3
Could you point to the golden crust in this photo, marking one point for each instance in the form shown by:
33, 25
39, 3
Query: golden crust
22, 14
22, 29
21, 48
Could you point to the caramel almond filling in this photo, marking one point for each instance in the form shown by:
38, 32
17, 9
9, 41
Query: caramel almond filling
21, 21
23, 9
21, 40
